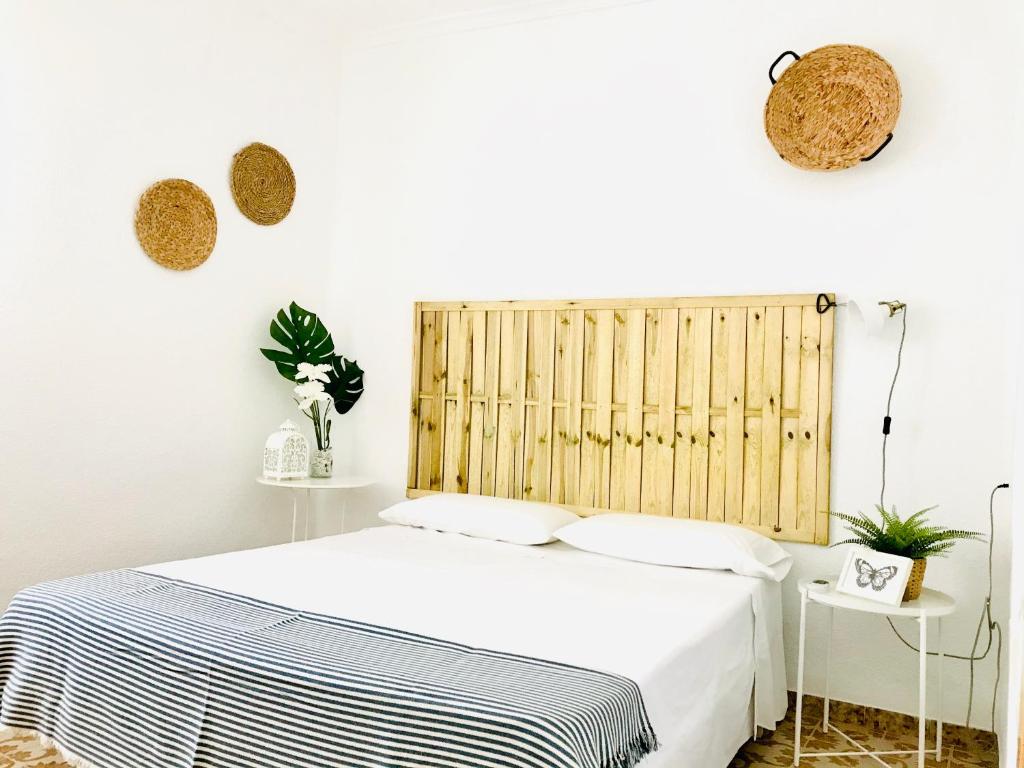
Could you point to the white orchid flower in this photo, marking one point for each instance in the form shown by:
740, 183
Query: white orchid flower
312, 372
309, 393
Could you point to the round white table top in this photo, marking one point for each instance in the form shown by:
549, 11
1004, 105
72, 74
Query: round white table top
930, 604
338, 482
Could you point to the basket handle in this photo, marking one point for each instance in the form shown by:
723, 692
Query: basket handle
784, 54
874, 154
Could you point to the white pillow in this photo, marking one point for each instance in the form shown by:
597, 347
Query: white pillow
680, 542
483, 517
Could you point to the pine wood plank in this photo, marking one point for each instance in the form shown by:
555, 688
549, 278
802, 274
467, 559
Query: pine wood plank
752, 449
789, 451
478, 368
807, 438
677, 302
491, 391
653, 349
700, 429
736, 386
684, 399
602, 434
824, 458
771, 418
717, 424
508, 367
540, 360
519, 345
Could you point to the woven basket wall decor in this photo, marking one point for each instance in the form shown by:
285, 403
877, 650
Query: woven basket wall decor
832, 108
176, 224
262, 183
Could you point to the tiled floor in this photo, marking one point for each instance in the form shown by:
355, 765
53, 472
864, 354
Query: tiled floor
881, 730
877, 730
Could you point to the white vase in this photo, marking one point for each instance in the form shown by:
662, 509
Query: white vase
322, 463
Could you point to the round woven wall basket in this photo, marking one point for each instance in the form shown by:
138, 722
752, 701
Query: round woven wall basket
176, 224
832, 108
263, 184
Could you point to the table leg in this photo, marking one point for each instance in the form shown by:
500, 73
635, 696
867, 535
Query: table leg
938, 717
922, 700
309, 503
800, 678
828, 666
295, 513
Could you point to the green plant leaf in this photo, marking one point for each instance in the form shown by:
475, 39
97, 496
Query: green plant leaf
346, 383
305, 340
912, 537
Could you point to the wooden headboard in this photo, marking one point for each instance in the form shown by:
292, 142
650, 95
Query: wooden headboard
709, 408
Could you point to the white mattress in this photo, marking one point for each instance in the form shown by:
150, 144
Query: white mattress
694, 641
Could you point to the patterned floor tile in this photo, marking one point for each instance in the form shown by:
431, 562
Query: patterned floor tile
875, 729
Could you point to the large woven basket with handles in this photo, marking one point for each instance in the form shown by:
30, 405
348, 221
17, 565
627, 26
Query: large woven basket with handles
916, 582
832, 108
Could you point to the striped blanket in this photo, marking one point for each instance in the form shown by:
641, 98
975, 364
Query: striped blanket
129, 670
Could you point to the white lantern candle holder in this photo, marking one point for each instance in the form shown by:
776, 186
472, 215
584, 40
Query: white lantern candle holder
286, 454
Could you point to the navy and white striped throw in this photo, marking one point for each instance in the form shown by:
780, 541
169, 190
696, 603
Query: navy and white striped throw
130, 670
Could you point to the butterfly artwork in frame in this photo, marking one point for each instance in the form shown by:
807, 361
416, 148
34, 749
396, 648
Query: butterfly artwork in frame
875, 575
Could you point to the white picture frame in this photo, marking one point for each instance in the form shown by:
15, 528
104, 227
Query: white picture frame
875, 575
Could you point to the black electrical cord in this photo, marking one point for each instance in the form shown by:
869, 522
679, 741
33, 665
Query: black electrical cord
887, 421
994, 629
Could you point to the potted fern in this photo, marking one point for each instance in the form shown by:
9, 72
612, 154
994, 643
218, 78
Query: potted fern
913, 538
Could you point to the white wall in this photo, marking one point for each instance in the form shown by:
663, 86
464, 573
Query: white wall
621, 153
134, 400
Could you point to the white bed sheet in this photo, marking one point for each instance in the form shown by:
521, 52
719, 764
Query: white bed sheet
694, 641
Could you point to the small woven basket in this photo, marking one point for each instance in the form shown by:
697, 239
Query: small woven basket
833, 108
916, 582
176, 224
263, 184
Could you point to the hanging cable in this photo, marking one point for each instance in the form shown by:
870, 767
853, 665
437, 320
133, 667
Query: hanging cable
995, 631
887, 421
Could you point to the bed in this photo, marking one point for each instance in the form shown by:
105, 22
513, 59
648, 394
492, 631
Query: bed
704, 647
402, 647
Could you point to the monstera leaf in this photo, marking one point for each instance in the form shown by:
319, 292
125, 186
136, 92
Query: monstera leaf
304, 338
346, 383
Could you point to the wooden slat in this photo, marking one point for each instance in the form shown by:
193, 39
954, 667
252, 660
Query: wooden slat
425, 425
752, 424
807, 425
665, 438
414, 405
700, 424
602, 435
771, 418
476, 406
788, 451
565, 461
824, 462
711, 409
736, 386
653, 350
519, 343
440, 387
684, 398
491, 392
508, 371
540, 360
719, 398
551, 305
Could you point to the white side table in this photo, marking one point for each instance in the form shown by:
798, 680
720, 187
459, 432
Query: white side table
310, 484
931, 605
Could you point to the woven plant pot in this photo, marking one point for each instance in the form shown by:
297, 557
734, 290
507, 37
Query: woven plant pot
916, 582
833, 108
263, 184
176, 224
